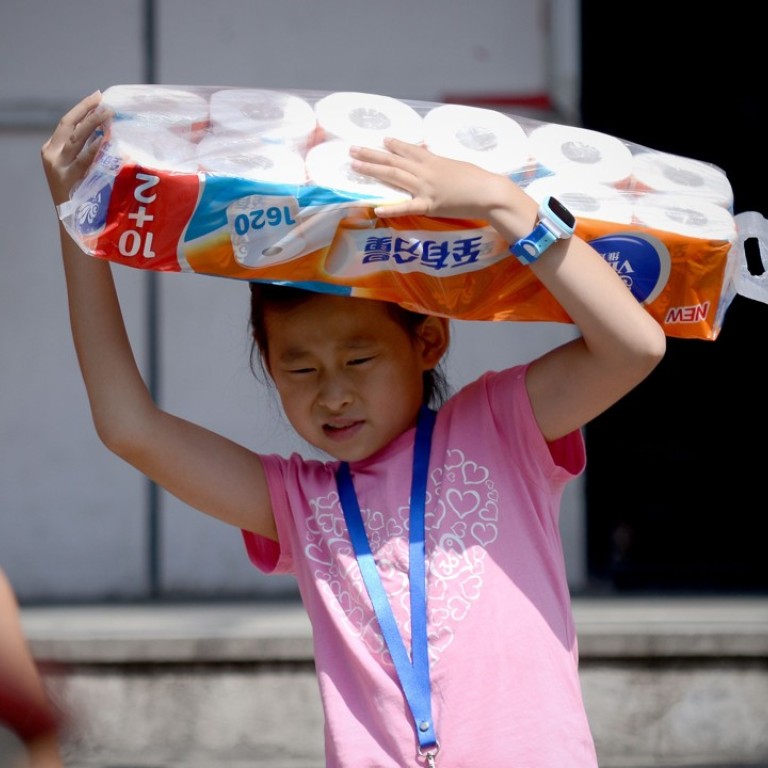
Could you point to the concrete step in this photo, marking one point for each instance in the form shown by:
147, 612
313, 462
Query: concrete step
667, 682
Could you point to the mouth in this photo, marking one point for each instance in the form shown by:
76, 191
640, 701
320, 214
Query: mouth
342, 429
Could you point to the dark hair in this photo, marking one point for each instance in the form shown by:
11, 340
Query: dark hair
264, 295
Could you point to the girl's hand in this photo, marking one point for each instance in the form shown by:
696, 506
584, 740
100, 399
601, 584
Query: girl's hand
68, 154
439, 186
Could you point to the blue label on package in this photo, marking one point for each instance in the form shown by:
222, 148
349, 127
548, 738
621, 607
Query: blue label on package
641, 261
91, 215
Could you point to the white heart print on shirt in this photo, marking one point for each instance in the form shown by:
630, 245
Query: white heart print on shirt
460, 524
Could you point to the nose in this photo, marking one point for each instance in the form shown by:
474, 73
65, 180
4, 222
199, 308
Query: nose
335, 391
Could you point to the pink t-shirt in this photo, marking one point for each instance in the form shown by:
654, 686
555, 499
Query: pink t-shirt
502, 643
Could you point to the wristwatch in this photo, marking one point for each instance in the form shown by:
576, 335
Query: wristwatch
555, 222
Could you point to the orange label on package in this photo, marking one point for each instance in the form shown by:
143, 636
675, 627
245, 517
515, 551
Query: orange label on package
256, 185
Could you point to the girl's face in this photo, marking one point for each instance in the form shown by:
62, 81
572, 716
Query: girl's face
348, 375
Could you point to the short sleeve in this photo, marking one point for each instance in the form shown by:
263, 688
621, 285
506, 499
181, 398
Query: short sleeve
266, 554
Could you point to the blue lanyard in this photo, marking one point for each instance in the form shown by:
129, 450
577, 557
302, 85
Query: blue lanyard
413, 675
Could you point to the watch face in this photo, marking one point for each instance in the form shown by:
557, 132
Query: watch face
562, 212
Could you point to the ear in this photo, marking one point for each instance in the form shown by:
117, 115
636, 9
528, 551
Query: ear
434, 336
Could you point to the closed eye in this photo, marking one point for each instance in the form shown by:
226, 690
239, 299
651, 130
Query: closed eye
359, 360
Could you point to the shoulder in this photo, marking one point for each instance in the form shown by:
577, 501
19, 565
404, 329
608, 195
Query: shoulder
494, 415
493, 406
298, 468
492, 389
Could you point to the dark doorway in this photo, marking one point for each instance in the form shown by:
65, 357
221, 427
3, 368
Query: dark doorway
677, 481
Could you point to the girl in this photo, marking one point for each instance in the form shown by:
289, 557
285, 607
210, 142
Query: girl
426, 550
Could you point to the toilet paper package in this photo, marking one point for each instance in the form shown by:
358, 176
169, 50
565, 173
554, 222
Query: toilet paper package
256, 184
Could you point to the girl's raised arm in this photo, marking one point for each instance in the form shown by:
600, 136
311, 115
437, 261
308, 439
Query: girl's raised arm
207, 471
620, 342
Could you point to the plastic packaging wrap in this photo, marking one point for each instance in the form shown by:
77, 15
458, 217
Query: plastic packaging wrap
256, 184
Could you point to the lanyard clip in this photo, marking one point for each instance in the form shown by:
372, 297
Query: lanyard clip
430, 754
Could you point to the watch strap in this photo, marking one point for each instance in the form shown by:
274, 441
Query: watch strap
529, 249
555, 222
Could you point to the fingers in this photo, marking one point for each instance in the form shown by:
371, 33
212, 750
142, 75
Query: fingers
371, 155
400, 164
70, 150
81, 109
83, 130
406, 150
376, 162
88, 153
385, 166
395, 177
77, 125
396, 152
415, 207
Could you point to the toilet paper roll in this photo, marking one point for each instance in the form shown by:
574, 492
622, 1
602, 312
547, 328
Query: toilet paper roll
329, 165
685, 215
151, 146
175, 109
272, 116
663, 172
250, 158
484, 137
589, 200
586, 154
366, 118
